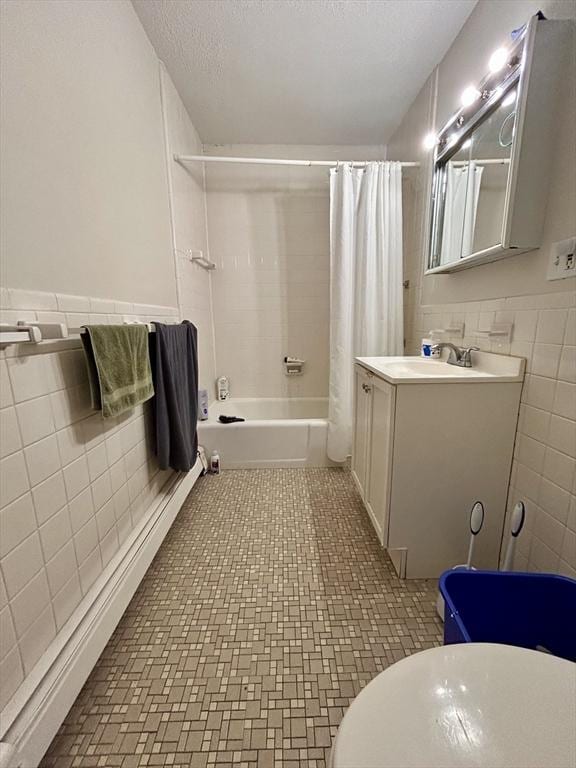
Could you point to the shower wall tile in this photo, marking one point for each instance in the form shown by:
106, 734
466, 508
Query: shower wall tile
68, 498
544, 473
269, 236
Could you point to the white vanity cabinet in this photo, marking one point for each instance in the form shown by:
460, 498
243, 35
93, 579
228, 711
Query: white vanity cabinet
430, 440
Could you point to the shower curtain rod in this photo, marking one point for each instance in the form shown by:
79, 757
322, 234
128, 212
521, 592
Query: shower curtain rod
182, 159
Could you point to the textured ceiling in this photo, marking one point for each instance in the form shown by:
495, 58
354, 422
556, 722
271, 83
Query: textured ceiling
300, 71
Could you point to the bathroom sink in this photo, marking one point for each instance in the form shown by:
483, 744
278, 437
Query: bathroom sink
486, 367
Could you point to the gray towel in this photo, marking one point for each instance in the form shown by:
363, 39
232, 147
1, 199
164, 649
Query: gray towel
174, 357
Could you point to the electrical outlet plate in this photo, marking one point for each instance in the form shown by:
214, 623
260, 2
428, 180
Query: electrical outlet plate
562, 262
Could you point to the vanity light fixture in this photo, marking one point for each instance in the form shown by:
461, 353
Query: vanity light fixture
498, 60
469, 96
430, 141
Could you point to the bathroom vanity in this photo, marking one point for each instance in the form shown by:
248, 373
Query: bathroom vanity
429, 440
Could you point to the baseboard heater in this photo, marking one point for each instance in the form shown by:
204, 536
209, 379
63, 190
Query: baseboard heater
31, 720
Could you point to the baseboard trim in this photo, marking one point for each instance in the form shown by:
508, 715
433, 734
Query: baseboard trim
41, 711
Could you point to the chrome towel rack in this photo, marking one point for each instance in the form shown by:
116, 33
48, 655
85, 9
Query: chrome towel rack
31, 332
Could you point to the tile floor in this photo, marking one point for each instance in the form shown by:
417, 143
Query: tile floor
268, 607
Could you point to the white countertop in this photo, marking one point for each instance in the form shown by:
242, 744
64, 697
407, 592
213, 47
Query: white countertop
486, 368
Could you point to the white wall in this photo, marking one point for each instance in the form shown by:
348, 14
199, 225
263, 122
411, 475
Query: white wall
84, 192
270, 237
514, 289
87, 238
188, 203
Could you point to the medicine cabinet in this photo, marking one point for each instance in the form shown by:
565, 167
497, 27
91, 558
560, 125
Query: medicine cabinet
492, 158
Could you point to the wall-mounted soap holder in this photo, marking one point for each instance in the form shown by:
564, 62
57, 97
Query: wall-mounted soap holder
293, 366
454, 329
501, 332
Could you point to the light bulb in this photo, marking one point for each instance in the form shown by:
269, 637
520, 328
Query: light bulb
498, 59
469, 95
467, 144
430, 141
509, 99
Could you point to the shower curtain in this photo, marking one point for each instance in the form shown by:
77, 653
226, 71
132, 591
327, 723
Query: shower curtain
366, 312
460, 209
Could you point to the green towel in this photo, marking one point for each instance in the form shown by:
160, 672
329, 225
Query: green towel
118, 366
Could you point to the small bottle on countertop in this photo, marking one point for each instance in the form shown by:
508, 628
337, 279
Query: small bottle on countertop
215, 463
426, 349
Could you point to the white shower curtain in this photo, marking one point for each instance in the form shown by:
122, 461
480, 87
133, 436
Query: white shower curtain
460, 209
366, 312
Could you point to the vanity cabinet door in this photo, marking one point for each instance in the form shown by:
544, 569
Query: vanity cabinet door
379, 468
362, 414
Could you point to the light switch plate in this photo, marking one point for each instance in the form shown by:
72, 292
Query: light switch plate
562, 262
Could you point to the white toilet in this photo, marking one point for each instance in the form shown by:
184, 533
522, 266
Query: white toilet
459, 706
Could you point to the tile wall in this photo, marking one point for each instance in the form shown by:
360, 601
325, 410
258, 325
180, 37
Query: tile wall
72, 485
269, 237
544, 469
269, 232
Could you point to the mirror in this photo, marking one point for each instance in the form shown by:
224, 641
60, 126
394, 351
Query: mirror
472, 187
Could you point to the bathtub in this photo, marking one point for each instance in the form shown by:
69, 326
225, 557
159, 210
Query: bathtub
278, 432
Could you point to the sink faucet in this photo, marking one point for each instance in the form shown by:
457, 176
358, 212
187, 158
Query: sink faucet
457, 356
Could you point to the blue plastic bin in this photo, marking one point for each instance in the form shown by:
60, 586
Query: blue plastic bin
530, 610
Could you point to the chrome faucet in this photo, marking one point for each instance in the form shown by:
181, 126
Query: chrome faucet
457, 356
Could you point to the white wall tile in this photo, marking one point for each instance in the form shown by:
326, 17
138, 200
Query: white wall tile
29, 603
90, 569
539, 392
81, 509
11, 674
97, 461
42, 459
559, 468
70, 444
55, 533
13, 478
21, 564
555, 500
49, 497
535, 423
105, 519
37, 638
66, 601
101, 490
29, 377
61, 567
568, 552
545, 360
76, 477
17, 522
551, 326
35, 419
562, 435
7, 632
567, 370
109, 546
570, 333
6, 398
10, 440
20, 299
86, 540
565, 400
68, 303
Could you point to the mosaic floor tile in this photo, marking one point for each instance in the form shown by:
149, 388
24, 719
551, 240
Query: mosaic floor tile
268, 607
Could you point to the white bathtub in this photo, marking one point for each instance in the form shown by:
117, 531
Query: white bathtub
278, 432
